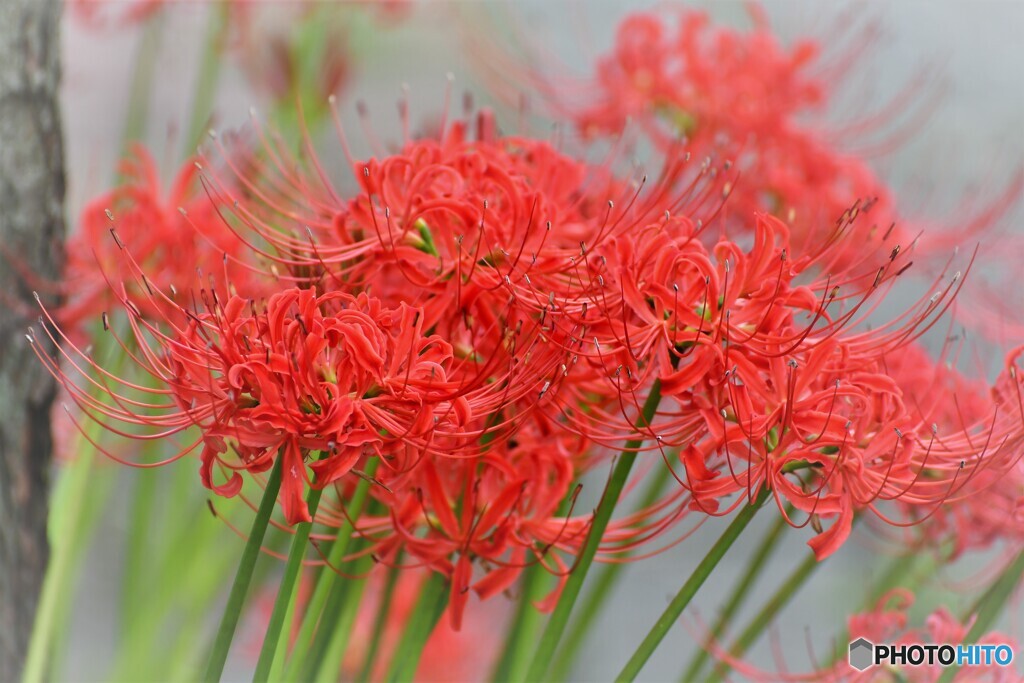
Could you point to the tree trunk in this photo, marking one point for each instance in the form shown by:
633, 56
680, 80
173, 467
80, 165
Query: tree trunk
31, 236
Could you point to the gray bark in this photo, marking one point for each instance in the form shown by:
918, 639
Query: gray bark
31, 234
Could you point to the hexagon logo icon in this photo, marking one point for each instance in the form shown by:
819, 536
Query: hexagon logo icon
861, 654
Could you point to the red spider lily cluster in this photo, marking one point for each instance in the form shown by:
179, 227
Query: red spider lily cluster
486, 318
683, 83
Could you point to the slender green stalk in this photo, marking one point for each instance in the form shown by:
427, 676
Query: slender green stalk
514, 633
988, 608
187, 586
379, 623
522, 632
73, 488
760, 622
675, 608
602, 516
339, 630
243, 577
342, 592
208, 75
286, 589
327, 578
604, 582
78, 498
736, 596
281, 651
135, 582
424, 617
143, 76
184, 661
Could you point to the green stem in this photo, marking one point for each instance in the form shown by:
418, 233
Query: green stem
341, 593
988, 608
78, 499
379, 623
281, 651
341, 628
521, 637
424, 617
675, 608
315, 606
208, 74
143, 76
243, 577
604, 582
760, 622
602, 516
187, 585
736, 597
137, 551
287, 587
72, 491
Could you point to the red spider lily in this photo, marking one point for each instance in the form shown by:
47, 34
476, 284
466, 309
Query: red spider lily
991, 506
486, 315
176, 236
488, 236
331, 373
496, 239
768, 381
839, 437
772, 375
991, 509
499, 511
743, 97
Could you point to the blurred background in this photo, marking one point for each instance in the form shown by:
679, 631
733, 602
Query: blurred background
967, 56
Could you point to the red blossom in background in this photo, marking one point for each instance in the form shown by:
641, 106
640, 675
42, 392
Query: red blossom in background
449, 655
176, 235
888, 622
743, 98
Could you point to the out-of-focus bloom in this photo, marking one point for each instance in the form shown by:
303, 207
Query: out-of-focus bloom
133, 11
449, 655
990, 507
101, 13
468, 654
177, 237
742, 97
305, 47
888, 623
